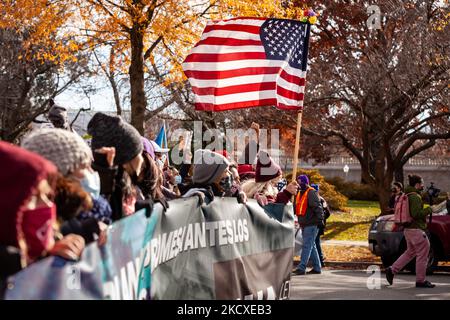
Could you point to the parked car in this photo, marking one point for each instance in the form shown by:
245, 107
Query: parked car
387, 241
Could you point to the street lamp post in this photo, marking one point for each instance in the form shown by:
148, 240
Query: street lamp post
346, 170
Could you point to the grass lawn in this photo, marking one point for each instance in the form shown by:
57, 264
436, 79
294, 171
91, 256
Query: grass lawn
349, 254
353, 225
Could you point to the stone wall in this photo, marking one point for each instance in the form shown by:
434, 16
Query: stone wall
432, 170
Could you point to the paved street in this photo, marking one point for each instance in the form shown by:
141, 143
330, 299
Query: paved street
352, 284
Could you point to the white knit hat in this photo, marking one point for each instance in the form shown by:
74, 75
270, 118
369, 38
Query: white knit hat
67, 150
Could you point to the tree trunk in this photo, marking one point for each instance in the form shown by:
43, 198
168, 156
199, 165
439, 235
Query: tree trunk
384, 196
138, 100
399, 175
384, 180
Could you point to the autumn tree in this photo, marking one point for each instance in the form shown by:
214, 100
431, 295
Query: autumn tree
386, 94
107, 65
152, 38
382, 94
33, 53
142, 32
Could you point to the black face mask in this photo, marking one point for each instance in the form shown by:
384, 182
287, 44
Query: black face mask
226, 183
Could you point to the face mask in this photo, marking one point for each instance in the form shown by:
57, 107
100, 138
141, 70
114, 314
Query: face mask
226, 183
91, 183
281, 184
37, 226
178, 180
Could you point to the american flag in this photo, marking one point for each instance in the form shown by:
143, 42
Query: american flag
249, 62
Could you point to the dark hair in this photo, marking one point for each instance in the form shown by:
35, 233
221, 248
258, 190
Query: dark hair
150, 180
398, 184
414, 179
127, 187
70, 198
184, 170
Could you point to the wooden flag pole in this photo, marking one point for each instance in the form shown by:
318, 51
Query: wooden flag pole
297, 145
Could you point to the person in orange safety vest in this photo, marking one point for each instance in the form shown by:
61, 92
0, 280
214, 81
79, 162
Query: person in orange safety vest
309, 212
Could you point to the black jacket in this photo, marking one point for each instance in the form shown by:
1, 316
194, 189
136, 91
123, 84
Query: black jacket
9, 264
326, 215
314, 212
111, 186
86, 228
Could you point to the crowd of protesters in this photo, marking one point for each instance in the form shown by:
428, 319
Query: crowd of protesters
60, 194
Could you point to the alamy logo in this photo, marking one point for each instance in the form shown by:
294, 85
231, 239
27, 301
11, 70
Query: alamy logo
73, 281
374, 20
374, 280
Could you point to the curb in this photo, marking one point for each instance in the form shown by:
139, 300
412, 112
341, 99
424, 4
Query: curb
352, 263
338, 243
347, 263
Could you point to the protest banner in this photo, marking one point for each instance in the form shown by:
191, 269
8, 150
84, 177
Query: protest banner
220, 250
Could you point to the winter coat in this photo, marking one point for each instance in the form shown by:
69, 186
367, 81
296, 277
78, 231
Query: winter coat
112, 182
314, 212
416, 209
326, 215
86, 228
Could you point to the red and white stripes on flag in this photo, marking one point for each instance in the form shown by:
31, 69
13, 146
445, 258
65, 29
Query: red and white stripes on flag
249, 62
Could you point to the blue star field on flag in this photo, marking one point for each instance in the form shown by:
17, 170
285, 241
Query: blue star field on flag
286, 40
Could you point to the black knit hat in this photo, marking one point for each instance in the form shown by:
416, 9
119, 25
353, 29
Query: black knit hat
113, 131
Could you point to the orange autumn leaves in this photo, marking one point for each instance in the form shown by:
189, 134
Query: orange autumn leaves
56, 30
39, 25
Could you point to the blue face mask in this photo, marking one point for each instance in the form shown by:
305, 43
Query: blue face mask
91, 183
178, 180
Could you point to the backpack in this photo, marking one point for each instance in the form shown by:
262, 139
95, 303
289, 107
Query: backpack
402, 215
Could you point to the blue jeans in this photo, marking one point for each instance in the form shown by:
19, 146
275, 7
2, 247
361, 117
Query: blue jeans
309, 249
